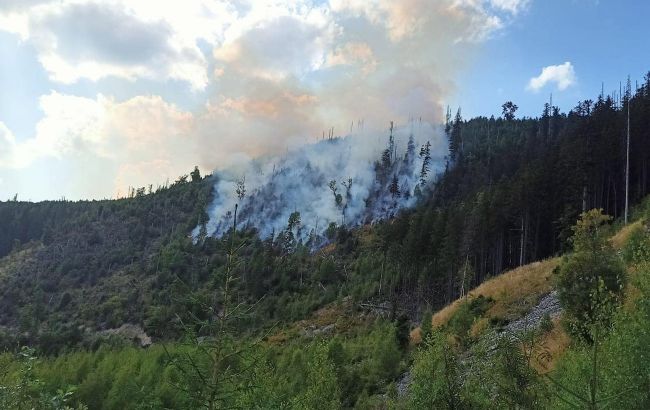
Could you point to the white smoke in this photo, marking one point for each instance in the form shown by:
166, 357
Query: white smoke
299, 181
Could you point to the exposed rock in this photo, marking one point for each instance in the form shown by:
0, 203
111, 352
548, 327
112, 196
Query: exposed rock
403, 384
382, 309
130, 332
313, 331
549, 304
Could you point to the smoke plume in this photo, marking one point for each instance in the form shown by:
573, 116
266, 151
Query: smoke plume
345, 181
208, 83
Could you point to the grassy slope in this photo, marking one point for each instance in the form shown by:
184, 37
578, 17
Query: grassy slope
515, 292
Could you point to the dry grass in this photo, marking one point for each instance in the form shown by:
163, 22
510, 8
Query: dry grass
415, 337
513, 292
328, 249
443, 316
555, 342
278, 339
479, 327
341, 315
517, 291
621, 237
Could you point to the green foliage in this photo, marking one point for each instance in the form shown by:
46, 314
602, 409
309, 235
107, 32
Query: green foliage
426, 326
495, 373
79, 262
463, 318
23, 390
514, 383
591, 277
327, 271
510, 192
195, 174
508, 196
322, 388
546, 324
621, 372
402, 331
509, 109
437, 381
637, 246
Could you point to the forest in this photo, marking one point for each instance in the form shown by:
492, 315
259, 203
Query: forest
385, 315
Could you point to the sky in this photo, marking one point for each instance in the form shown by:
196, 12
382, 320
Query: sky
98, 96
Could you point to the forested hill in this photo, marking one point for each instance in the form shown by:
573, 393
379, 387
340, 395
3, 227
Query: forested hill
510, 194
514, 188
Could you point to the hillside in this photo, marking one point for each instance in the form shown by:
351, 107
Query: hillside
511, 295
514, 293
505, 331
69, 268
522, 315
79, 281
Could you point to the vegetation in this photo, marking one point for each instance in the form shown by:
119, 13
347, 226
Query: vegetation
246, 322
603, 366
592, 277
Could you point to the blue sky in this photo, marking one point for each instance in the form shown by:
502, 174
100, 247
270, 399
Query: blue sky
604, 40
97, 96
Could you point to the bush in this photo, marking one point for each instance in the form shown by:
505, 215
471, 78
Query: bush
590, 278
425, 326
546, 325
461, 322
622, 358
437, 381
637, 246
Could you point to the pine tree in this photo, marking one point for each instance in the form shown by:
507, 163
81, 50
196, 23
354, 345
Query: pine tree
405, 191
425, 154
448, 122
394, 187
338, 199
456, 138
196, 174
509, 109
385, 160
348, 190
591, 276
410, 150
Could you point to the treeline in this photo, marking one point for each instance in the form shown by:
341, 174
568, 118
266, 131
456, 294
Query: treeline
82, 265
22, 222
513, 188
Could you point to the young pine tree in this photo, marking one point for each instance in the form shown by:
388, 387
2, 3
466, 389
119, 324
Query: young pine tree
591, 276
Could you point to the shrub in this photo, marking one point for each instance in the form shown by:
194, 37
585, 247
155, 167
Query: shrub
637, 246
546, 325
591, 277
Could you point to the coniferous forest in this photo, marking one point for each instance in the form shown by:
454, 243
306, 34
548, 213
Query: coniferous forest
514, 282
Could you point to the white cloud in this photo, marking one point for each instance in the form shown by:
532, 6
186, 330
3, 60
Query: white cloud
512, 6
562, 75
7, 146
132, 135
130, 39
